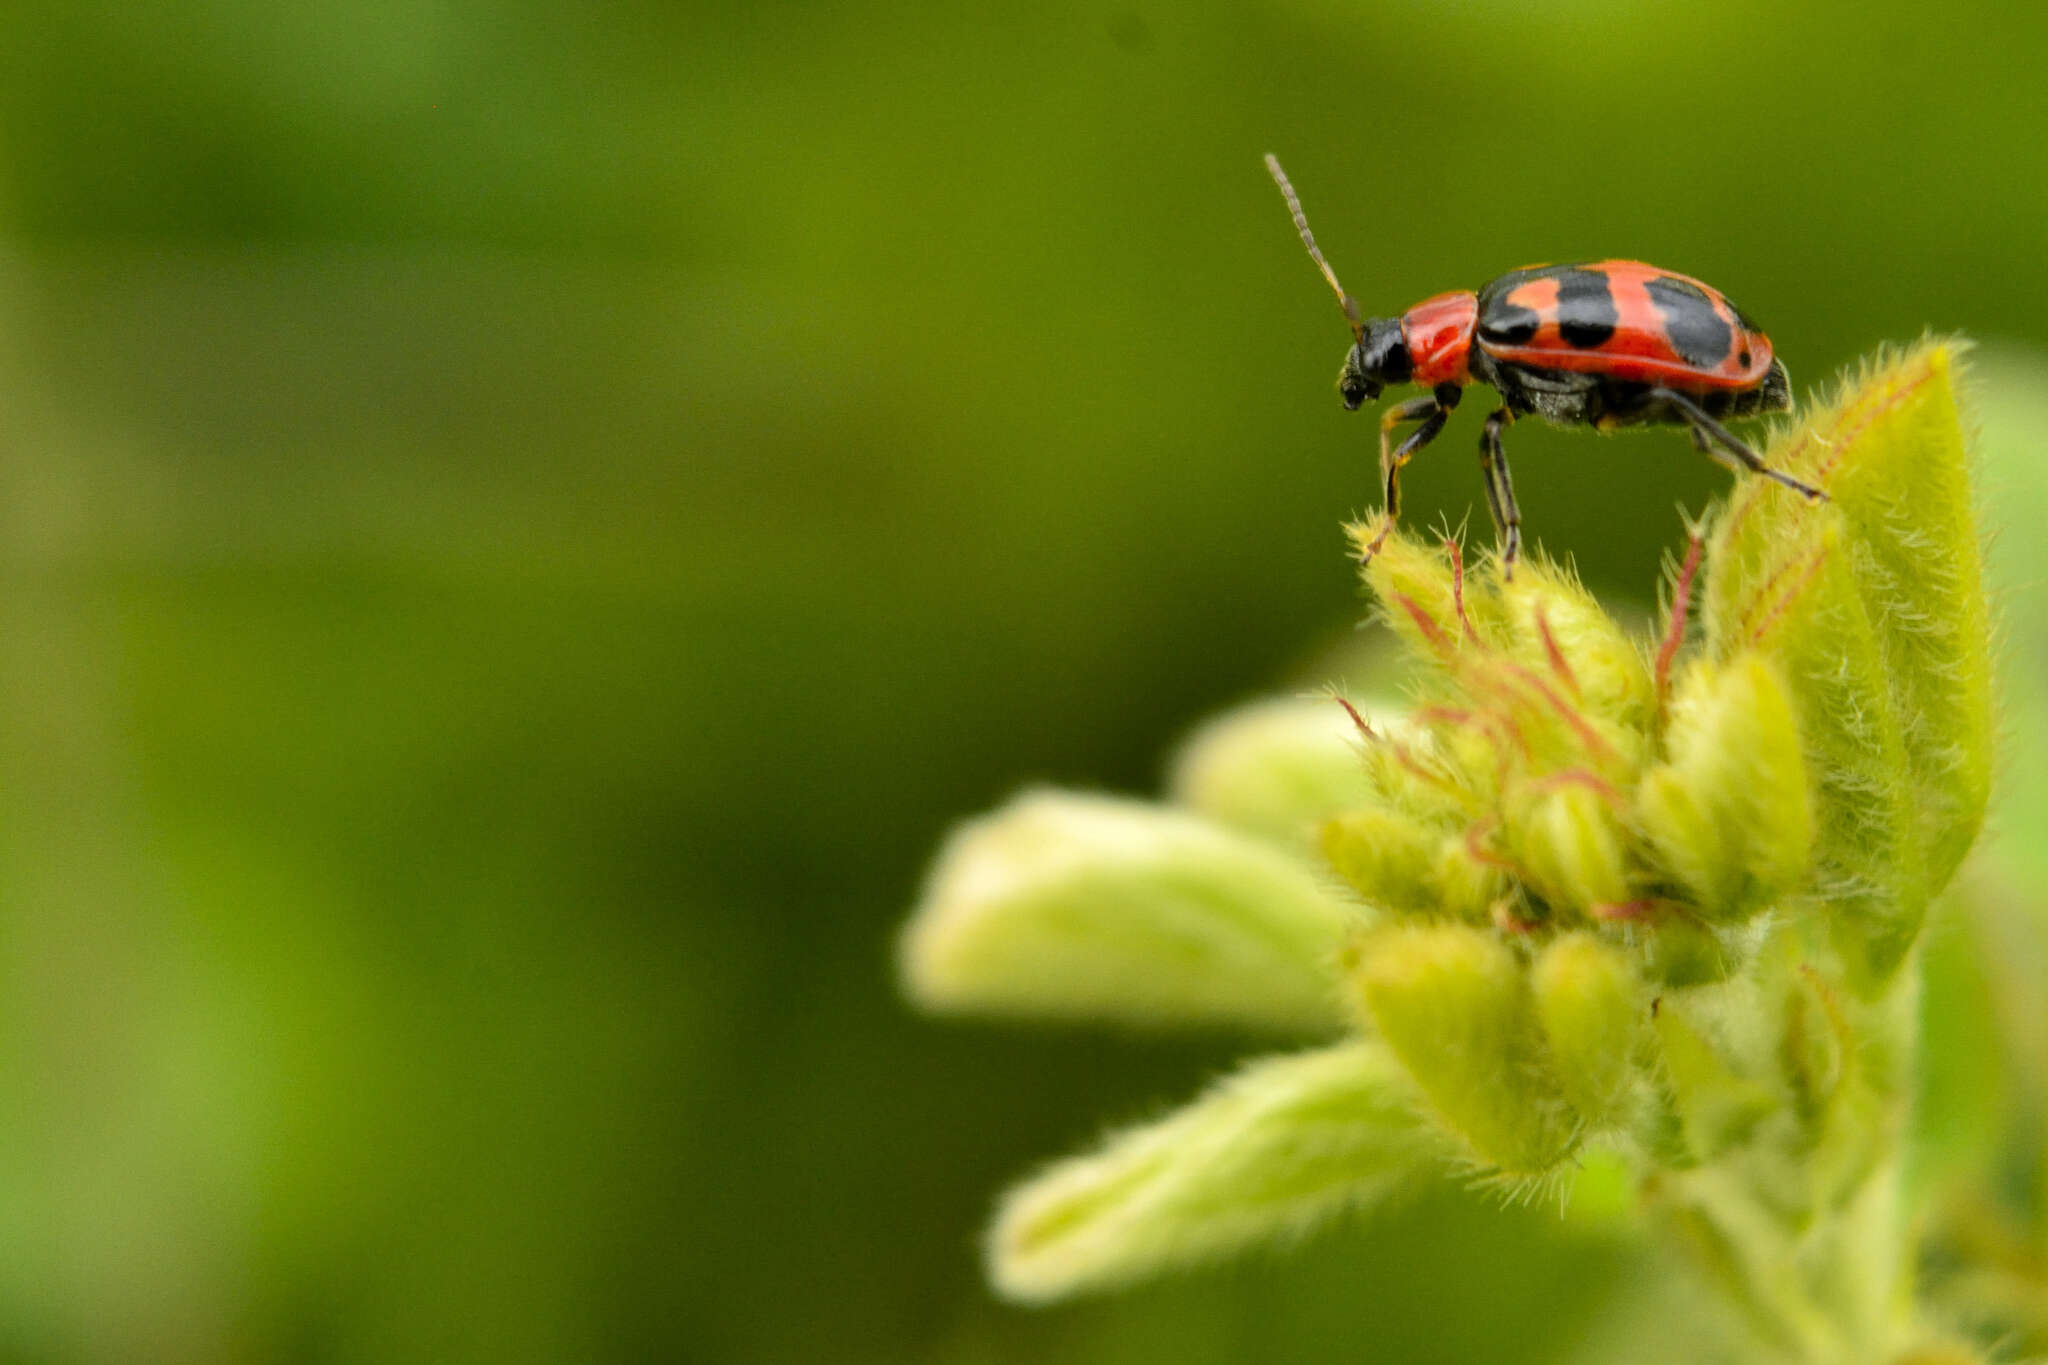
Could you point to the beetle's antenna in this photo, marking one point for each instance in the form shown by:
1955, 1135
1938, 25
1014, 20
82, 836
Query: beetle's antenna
1308, 239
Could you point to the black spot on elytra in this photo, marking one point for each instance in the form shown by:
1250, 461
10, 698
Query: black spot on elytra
1698, 333
1586, 314
1508, 324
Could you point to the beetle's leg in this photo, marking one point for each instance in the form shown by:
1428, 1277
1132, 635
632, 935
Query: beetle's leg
1500, 491
1708, 433
1432, 411
1392, 457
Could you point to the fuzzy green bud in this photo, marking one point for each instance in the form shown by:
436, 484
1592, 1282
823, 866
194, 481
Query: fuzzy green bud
1398, 862
1571, 845
1468, 884
1424, 774
1282, 1144
1422, 593
1070, 906
1455, 1006
1596, 1020
1390, 858
1560, 629
1729, 815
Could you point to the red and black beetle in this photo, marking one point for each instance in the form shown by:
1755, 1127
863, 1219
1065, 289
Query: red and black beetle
1606, 343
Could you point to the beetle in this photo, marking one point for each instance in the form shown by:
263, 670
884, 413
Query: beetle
1605, 344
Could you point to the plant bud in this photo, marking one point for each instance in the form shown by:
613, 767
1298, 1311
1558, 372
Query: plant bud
1068, 906
1729, 815
1596, 1020
1417, 590
1572, 847
1453, 1003
1389, 859
1560, 630
1285, 1141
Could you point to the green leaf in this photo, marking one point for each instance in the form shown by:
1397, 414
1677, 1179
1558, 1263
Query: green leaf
1284, 1143
1872, 608
1069, 906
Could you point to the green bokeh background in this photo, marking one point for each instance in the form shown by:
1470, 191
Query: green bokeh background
521, 524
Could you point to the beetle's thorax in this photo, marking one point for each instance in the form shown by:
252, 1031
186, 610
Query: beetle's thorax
1438, 336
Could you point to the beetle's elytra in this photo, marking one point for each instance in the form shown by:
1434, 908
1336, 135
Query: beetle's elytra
1604, 344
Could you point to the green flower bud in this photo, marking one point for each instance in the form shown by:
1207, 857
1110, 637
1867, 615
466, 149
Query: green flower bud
1689, 842
1276, 768
1284, 1143
1453, 1003
1070, 906
1468, 884
1560, 630
1572, 847
1422, 592
1388, 857
1596, 1021
1729, 815
1422, 774
1471, 752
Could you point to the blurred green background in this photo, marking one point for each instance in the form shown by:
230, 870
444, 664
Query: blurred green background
523, 523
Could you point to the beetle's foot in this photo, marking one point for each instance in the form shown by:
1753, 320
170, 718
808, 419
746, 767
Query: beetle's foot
1372, 547
1804, 490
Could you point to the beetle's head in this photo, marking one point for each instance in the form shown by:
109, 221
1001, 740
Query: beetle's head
1379, 358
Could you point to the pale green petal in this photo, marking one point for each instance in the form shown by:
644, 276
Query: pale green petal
1267, 1153
1062, 905
1277, 768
